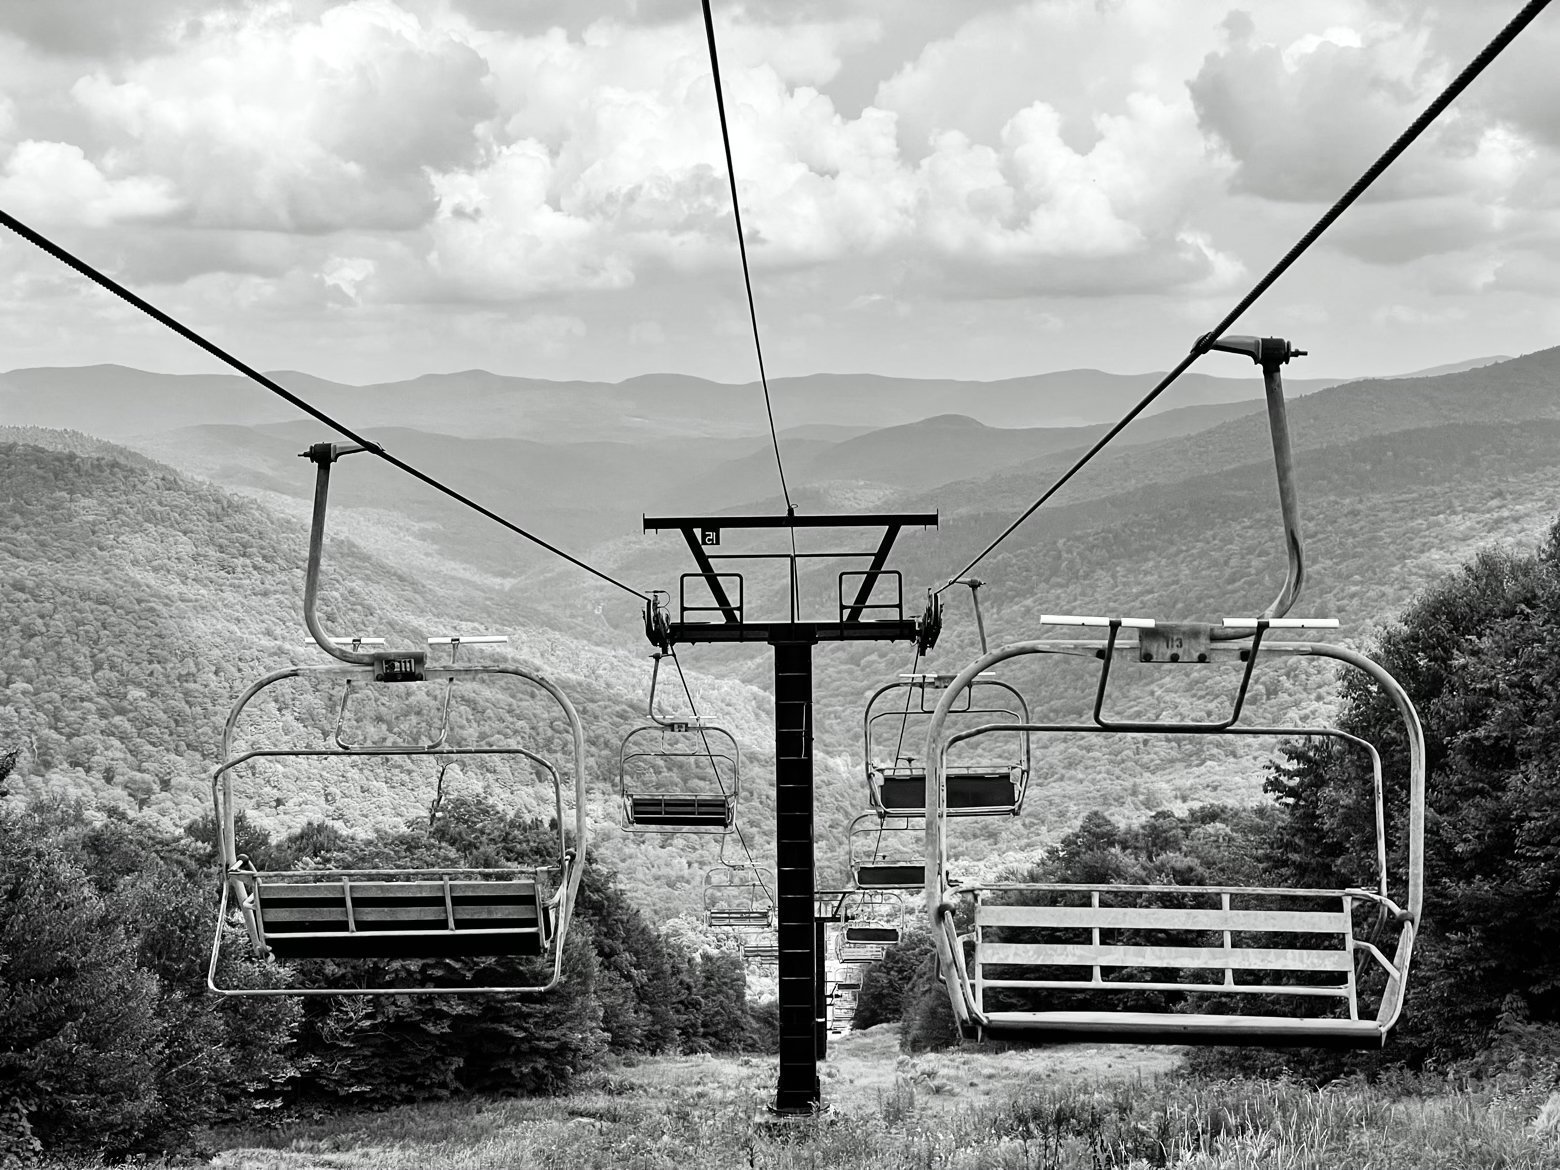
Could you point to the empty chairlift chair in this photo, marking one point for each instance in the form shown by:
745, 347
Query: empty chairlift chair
875, 917
1055, 961
888, 853
988, 780
1188, 964
679, 774
390, 913
761, 952
736, 897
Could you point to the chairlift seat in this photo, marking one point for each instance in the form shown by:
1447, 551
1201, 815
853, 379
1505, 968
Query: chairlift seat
1215, 951
762, 954
872, 934
682, 811
1183, 1028
890, 876
346, 919
739, 918
902, 792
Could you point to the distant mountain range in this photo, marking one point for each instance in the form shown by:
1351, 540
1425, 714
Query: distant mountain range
117, 402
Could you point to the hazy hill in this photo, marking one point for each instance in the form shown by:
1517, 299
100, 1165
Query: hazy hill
1521, 388
579, 495
1456, 367
118, 402
136, 603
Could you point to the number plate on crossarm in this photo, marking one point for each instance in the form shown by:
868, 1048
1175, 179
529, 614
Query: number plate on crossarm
1170, 642
402, 666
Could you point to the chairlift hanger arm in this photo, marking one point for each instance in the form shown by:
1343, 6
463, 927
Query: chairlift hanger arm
322, 455
1271, 353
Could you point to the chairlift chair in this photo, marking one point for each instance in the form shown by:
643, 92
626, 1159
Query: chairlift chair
875, 917
736, 897
762, 953
991, 783
349, 915
855, 953
1050, 947
888, 853
678, 774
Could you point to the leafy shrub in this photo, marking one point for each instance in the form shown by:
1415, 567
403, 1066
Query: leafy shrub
885, 986
79, 1033
929, 1024
18, 1148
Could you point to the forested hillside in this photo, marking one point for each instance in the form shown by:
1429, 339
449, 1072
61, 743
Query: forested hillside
138, 603
140, 600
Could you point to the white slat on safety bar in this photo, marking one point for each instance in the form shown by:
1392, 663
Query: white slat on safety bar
468, 639
1064, 619
357, 641
1282, 623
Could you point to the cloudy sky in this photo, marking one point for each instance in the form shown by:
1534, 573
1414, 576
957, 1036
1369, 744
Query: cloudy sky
374, 189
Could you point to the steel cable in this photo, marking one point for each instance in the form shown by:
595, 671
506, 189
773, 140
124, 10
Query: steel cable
106, 282
1203, 343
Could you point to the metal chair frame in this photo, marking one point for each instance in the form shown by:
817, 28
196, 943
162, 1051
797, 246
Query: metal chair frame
964, 959
860, 925
243, 886
741, 903
901, 866
995, 698
680, 810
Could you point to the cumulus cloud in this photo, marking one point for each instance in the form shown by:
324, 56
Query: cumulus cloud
378, 157
102, 27
512, 166
1302, 121
264, 122
55, 182
497, 236
1302, 118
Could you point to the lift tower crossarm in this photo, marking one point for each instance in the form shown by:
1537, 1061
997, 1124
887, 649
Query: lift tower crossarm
845, 520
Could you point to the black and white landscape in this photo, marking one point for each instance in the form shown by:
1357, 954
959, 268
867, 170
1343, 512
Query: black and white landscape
924, 260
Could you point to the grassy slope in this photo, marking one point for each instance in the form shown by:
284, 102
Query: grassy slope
1081, 1108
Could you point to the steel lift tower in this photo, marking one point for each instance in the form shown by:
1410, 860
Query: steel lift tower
722, 618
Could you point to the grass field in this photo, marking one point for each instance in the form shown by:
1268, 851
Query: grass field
1092, 1108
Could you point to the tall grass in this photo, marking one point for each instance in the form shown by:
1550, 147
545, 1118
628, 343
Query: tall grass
708, 1114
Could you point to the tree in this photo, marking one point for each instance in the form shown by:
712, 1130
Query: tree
885, 986
80, 1039
1476, 654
